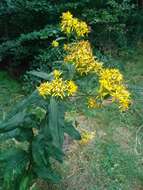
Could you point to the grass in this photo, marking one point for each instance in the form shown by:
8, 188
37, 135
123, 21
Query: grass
113, 159
11, 92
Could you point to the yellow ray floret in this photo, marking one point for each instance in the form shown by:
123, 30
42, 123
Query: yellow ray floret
80, 54
55, 43
58, 87
57, 74
86, 137
69, 25
44, 89
71, 87
112, 83
92, 103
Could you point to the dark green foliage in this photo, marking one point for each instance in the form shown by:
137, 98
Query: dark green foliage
17, 54
28, 28
15, 163
38, 127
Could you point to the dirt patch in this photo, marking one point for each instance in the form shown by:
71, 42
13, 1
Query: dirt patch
122, 136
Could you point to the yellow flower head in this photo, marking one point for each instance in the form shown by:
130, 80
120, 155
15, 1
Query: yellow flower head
92, 103
71, 88
111, 83
55, 43
65, 47
56, 74
109, 78
122, 96
86, 137
44, 89
67, 16
58, 87
69, 25
81, 28
80, 54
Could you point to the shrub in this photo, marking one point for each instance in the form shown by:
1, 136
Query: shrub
28, 27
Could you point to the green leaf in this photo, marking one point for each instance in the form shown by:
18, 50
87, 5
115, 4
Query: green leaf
25, 182
71, 131
56, 122
16, 161
70, 71
55, 152
33, 98
9, 135
39, 112
24, 134
47, 173
38, 151
41, 74
12, 123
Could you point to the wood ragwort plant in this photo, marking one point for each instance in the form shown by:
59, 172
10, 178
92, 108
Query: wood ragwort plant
38, 124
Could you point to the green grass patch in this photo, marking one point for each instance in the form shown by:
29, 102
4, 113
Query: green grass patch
11, 92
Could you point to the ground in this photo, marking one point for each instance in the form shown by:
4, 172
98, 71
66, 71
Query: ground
113, 159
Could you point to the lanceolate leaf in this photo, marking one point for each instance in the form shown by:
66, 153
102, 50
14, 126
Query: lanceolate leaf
16, 161
71, 131
12, 123
38, 151
55, 152
56, 122
9, 135
47, 173
41, 74
25, 182
33, 98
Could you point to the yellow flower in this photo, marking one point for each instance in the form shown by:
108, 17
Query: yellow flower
55, 43
109, 78
122, 96
44, 89
81, 28
71, 88
56, 74
111, 83
65, 47
86, 137
80, 54
92, 103
58, 87
67, 16
69, 25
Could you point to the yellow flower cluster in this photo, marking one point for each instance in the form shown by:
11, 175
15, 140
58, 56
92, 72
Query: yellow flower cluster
57, 87
86, 137
81, 55
55, 43
111, 80
69, 25
111, 83
92, 103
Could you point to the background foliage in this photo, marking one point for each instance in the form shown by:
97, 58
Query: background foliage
28, 27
